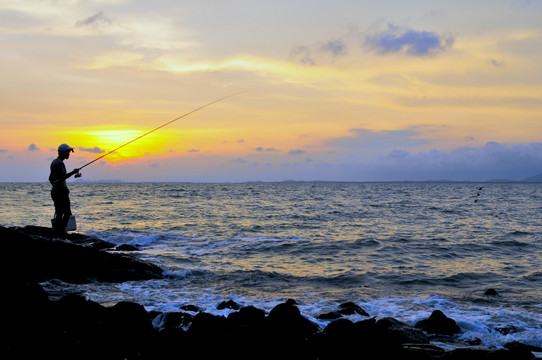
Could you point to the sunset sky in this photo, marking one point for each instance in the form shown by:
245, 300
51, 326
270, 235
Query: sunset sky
335, 90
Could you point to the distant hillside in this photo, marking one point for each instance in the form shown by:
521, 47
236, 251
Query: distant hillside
536, 178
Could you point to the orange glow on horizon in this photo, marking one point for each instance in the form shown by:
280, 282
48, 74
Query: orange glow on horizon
100, 142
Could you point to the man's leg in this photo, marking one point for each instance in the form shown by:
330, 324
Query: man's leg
62, 214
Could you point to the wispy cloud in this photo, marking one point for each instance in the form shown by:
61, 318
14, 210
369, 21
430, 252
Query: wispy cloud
95, 20
412, 42
495, 62
95, 150
296, 152
269, 149
33, 147
238, 161
315, 54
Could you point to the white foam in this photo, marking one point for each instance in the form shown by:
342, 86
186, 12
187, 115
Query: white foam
476, 322
133, 238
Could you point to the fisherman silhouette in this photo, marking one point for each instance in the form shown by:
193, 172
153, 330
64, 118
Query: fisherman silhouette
60, 192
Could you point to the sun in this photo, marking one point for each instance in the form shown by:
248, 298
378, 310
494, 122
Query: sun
131, 143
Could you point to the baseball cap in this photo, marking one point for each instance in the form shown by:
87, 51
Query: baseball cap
65, 147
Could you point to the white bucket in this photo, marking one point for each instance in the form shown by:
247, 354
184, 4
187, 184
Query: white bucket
71, 224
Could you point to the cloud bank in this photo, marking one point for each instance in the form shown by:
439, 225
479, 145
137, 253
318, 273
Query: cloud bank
394, 160
488, 162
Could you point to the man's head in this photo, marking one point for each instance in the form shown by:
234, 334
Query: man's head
64, 151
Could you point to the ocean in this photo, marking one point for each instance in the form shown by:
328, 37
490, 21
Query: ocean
395, 249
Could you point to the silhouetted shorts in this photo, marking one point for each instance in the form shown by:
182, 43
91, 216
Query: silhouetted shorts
61, 198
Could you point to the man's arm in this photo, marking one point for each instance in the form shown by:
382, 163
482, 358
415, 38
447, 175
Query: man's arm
73, 172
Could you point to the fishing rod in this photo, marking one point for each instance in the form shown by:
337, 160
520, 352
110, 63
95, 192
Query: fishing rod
159, 127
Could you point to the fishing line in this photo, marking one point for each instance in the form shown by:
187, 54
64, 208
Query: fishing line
161, 126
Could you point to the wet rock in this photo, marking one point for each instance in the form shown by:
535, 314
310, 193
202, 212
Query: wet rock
172, 320
247, 330
337, 340
192, 308
398, 332
517, 344
24, 295
230, 304
349, 308
207, 337
288, 319
332, 315
76, 328
477, 353
339, 328
288, 330
247, 317
491, 292
508, 329
33, 257
126, 247
438, 323
476, 341
421, 351
206, 325
75, 238
128, 324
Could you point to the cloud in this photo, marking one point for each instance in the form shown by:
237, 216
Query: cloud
94, 21
411, 42
320, 52
33, 147
296, 152
398, 154
495, 62
3, 150
193, 150
333, 47
238, 161
302, 54
95, 150
269, 149
367, 139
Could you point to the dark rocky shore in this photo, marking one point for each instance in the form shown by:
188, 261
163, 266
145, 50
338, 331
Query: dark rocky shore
70, 327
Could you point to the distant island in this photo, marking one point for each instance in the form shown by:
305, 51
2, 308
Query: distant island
99, 181
535, 178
